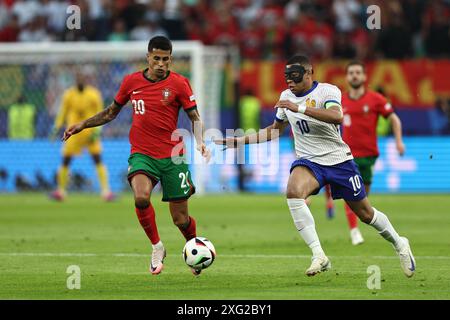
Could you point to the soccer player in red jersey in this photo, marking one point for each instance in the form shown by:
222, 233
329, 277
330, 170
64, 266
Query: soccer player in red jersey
362, 108
156, 95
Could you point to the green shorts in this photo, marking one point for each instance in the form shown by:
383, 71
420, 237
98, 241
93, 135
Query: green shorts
173, 173
365, 166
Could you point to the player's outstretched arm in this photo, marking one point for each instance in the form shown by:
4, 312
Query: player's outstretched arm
396, 124
330, 115
269, 133
99, 119
197, 129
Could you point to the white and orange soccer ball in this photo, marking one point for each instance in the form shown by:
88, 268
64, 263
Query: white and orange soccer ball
199, 253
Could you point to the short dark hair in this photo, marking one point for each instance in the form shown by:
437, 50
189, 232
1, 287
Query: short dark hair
159, 42
301, 60
355, 63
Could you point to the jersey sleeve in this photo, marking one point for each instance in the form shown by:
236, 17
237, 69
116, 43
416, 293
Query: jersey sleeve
384, 107
186, 96
280, 116
123, 95
332, 97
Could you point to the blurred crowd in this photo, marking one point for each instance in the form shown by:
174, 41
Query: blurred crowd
262, 29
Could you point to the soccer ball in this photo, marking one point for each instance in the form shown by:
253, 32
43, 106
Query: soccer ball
199, 253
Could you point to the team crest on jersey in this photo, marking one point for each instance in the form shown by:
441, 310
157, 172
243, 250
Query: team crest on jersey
310, 103
165, 96
366, 108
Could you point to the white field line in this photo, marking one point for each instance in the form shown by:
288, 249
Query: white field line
243, 256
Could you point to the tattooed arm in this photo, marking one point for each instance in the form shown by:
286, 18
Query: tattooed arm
99, 119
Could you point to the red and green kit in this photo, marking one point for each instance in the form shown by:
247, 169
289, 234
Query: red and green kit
156, 106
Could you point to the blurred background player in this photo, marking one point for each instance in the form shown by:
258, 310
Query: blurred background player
21, 120
157, 94
79, 103
362, 108
249, 119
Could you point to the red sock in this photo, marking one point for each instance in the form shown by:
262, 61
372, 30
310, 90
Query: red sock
147, 220
351, 217
330, 203
191, 230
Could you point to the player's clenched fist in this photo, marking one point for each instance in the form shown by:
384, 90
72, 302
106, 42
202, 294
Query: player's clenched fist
72, 130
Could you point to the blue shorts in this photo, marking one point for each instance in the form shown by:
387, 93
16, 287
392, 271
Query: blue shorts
344, 178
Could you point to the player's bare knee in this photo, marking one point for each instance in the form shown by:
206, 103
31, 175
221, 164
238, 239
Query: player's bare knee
141, 202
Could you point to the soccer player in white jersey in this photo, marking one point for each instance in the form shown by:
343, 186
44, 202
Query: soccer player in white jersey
314, 112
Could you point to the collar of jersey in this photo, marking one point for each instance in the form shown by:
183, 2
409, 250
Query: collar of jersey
315, 84
153, 81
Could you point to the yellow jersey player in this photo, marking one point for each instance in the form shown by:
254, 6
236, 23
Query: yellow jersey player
80, 102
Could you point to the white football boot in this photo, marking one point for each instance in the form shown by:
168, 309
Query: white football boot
158, 255
318, 264
356, 236
407, 261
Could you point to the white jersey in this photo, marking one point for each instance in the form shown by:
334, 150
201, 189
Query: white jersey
315, 140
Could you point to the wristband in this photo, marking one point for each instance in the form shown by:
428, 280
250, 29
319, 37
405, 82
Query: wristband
301, 108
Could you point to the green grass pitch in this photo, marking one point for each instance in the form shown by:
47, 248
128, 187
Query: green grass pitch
260, 255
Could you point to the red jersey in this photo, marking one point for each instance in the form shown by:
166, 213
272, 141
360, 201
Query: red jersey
360, 122
155, 111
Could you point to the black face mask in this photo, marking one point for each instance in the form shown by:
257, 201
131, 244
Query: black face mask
80, 86
294, 72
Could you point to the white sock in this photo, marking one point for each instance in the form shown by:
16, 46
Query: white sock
304, 222
159, 245
384, 227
